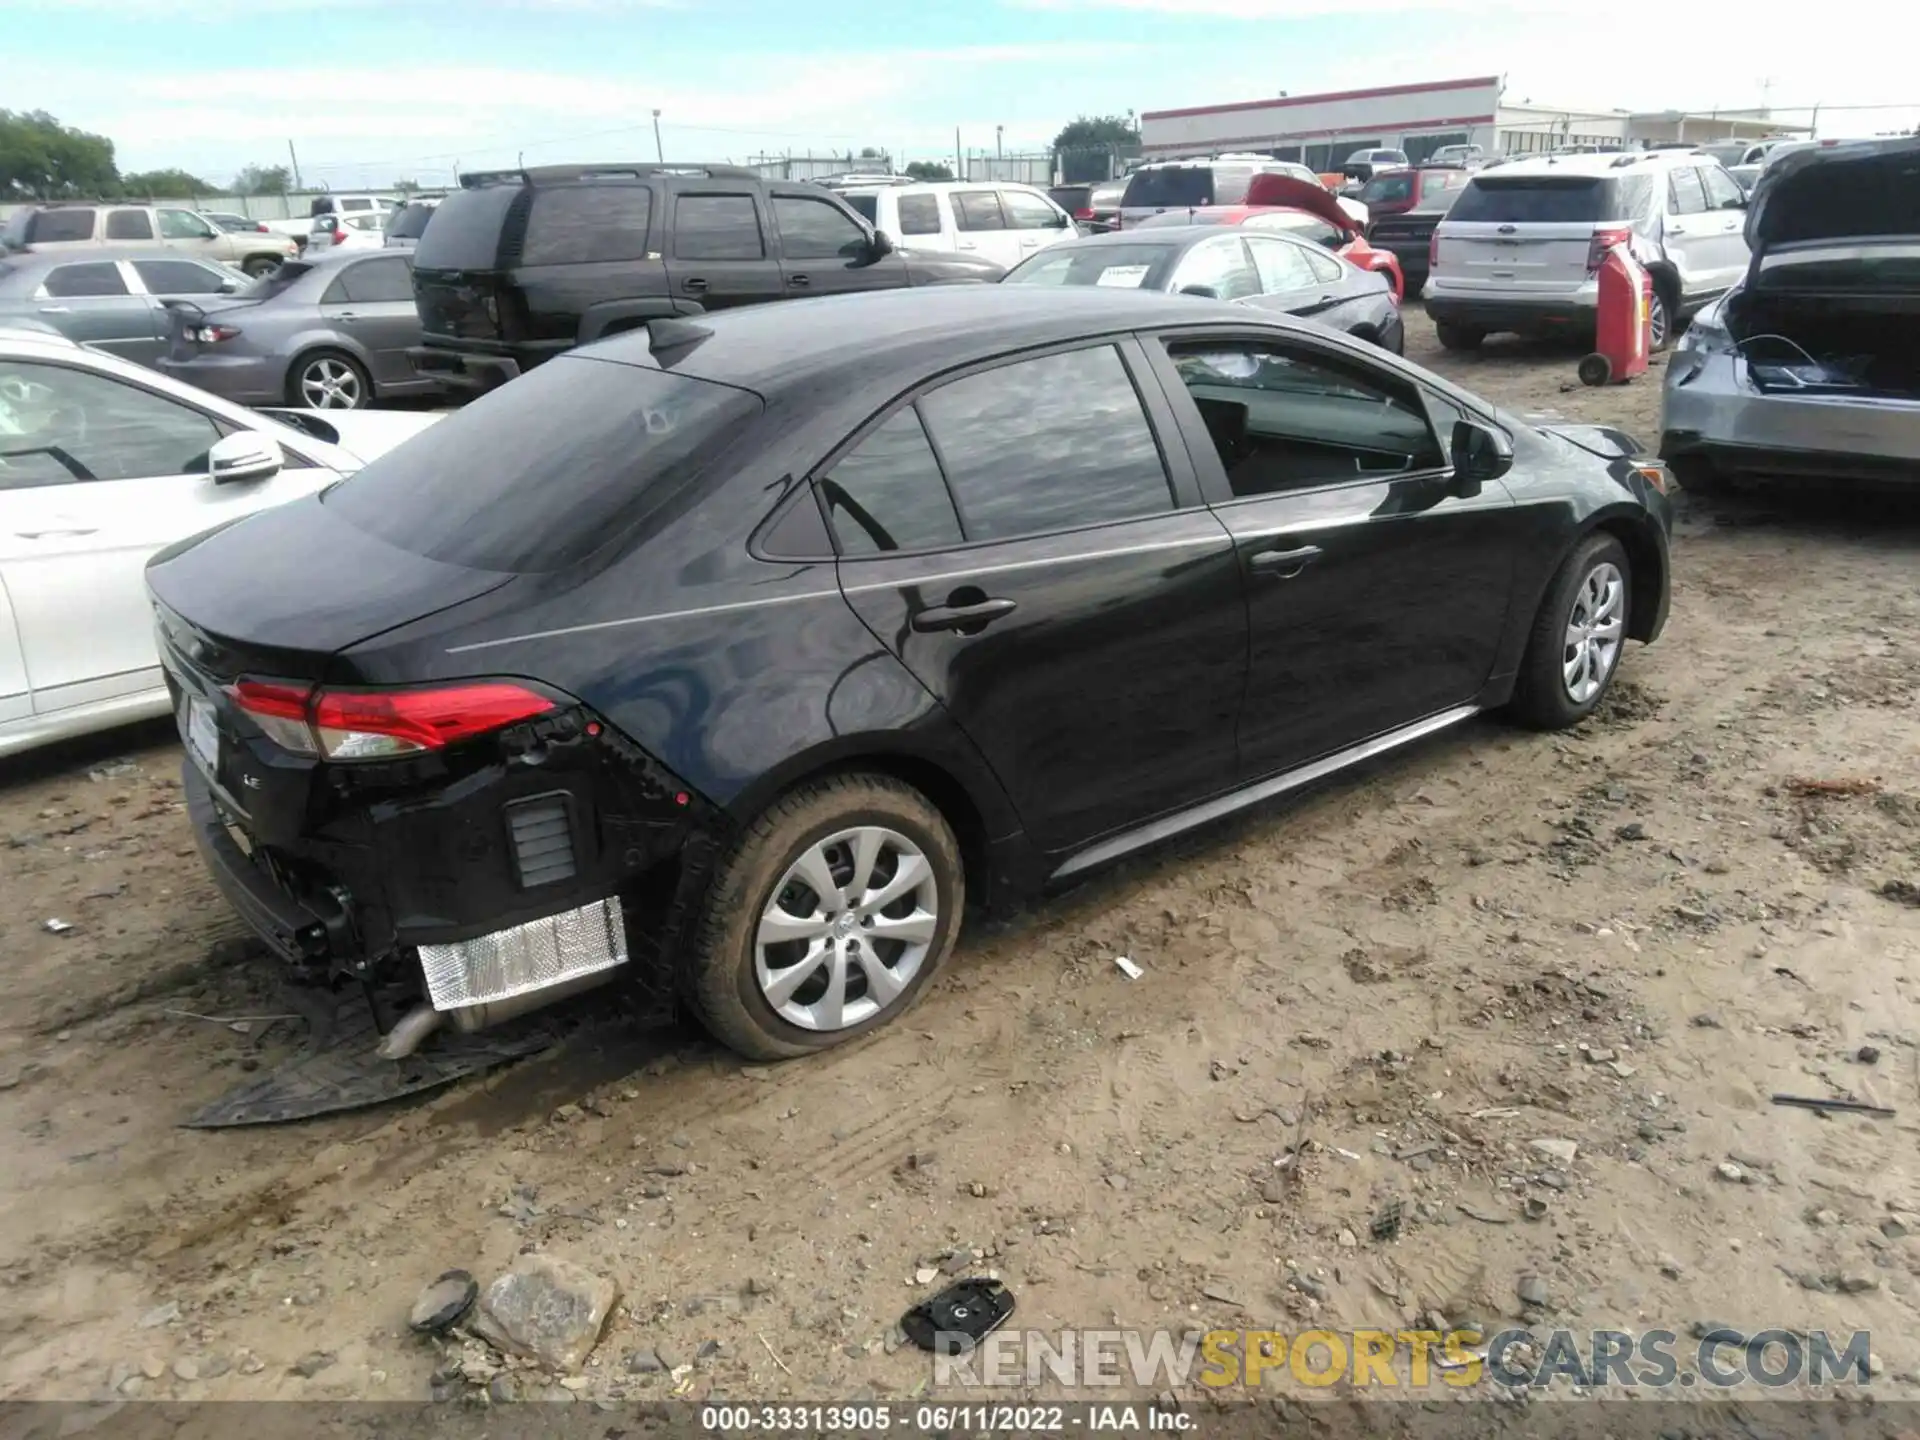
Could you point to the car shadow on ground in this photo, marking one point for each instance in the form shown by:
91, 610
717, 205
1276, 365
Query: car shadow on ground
1810, 508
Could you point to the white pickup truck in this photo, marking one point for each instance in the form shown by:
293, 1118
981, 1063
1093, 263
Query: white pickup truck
300, 226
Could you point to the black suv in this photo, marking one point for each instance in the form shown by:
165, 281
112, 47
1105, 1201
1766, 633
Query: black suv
731, 658
523, 264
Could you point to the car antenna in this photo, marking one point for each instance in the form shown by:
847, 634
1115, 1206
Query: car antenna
667, 334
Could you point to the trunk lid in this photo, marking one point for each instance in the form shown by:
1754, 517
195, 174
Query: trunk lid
1852, 192
282, 592
1534, 233
1298, 194
462, 305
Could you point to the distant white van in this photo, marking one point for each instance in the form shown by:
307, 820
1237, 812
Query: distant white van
997, 221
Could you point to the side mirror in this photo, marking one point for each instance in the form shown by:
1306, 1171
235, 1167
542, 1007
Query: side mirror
244, 455
1205, 292
1479, 455
229, 287
882, 245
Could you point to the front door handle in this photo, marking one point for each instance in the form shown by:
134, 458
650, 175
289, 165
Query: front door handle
694, 287
51, 534
56, 309
1676, 229
1284, 563
964, 618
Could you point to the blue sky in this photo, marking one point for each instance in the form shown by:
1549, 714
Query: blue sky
371, 90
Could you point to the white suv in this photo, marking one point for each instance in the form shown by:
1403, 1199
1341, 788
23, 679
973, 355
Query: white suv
1521, 248
995, 221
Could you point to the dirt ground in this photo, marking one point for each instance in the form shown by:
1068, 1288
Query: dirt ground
1401, 982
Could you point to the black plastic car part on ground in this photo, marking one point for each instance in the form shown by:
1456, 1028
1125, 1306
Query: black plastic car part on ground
730, 660
521, 265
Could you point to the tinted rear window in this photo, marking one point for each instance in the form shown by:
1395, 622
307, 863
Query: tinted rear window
465, 234
1548, 199
1174, 185
588, 224
410, 223
1397, 186
866, 206
541, 473
50, 226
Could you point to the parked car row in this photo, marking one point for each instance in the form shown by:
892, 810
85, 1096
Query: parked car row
52, 229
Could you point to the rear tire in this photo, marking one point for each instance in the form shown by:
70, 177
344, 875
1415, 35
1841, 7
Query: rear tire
258, 265
328, 380
1662, 316
1457, 337
778, 967
1574, 649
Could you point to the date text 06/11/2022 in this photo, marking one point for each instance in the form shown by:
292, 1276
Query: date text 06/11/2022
940, 1419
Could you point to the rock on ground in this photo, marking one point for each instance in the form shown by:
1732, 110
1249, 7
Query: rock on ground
547, 1309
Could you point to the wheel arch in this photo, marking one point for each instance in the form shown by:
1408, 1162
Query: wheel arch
1649, 561
970, 800
311, 345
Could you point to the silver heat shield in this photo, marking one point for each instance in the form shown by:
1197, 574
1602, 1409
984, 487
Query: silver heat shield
527, 957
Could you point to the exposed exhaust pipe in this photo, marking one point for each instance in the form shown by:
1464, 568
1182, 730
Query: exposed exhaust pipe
413, 1028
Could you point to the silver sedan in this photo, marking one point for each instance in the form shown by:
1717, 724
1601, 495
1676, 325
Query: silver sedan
324, 332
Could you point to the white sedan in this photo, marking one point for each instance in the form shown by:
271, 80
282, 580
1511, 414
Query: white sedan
101, 464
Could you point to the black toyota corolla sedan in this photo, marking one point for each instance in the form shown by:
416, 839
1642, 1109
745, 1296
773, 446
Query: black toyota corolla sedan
1275, 273
736, 655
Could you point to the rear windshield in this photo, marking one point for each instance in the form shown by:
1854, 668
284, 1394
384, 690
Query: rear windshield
539, 474
1168, 186
410, 223
1123, 267
1550, 199
1396, 186
465, 234
278, 280
50, 226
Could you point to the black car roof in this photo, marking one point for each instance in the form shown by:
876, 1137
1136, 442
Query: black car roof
908, 332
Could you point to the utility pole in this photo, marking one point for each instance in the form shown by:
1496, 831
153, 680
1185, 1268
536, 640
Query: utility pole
999, 147
296, 162
659, 151
1766, 98
959, 168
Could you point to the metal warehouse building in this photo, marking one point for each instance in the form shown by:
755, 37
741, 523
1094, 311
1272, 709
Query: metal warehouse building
1322, 130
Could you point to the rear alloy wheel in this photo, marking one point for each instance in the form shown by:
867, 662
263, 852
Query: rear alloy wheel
1577, 637
828, 919
1659, 322
330, 381
1457, 337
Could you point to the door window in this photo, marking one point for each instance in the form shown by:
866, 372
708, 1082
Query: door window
1325, 268
47, 227
1282, 266
1685, 194
1030, 212
1047, 444
1222, 266
98, 277
587, 224
978, 210
919, 215
129, 225
183, 225
180, 277
1282, 419
1723, 191
717, 227
372, 281
887, 493
60, 425
816, 229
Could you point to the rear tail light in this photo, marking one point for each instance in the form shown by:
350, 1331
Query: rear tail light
1085, 212
262, 229
1603, 241
339, 237
212, 334
351, 725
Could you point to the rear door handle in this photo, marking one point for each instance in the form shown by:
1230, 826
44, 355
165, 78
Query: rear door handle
1676, 229
962, 617
56, 309
694, 287
800, 280
1284, 563
52, 534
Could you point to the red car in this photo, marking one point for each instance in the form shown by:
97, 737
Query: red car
1310, 212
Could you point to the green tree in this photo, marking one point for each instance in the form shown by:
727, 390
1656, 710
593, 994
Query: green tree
929, 170
263, 180
869, 152
166, 185
1087, 146
405, 187
40, 156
